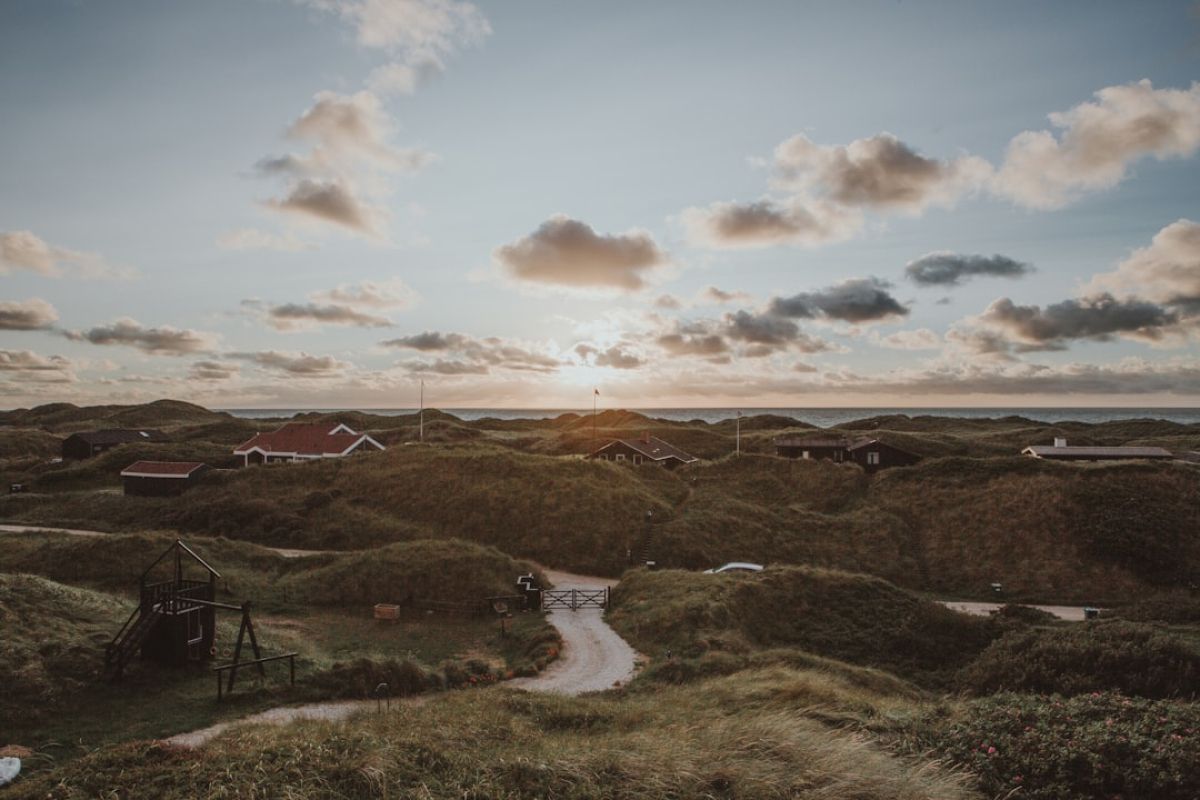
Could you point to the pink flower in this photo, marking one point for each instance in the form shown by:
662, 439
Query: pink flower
991, 751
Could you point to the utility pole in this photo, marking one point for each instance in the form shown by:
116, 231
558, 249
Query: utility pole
595, 394
421, 414
739, 433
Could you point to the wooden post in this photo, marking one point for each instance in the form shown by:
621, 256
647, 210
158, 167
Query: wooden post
292, 668
253, 639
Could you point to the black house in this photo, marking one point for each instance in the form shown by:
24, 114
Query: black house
870, 454
92, 443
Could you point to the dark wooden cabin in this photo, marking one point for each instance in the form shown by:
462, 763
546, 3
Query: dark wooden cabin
870, 454
175, 621
161, 478
646, 449
830, 448
873, 455
92, 443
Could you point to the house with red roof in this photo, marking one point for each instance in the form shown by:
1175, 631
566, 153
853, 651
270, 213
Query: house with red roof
161, 478
304, 441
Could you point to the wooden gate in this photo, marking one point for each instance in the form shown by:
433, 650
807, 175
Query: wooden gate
574, 599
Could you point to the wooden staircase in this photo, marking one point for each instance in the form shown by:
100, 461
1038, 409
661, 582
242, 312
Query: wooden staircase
127, 641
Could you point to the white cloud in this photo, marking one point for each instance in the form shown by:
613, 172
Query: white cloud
23, 250
1098, 141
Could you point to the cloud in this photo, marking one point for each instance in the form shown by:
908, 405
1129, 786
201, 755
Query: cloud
764, 223
296, 364
757, 334
338, 181
429, 341
858, 300
713, 295
616, 357
22, 250
488, 352
26, 363
567, 252
419, 34
390, 294
448, 367
1098, 318
1097, 142
27, 315
254, 239
297, 316
668, 302
328, 201
352, 127
919, 339
1167, 271
879, 172
212, 371
165, 341
952, 269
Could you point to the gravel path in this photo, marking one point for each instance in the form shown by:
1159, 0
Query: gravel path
1069, 613
593, 657
283, 715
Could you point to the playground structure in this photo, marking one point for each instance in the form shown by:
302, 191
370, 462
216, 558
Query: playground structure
174, 623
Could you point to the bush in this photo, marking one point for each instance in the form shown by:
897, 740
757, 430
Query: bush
1099, 745
1173, 609
1127, 657
359, 678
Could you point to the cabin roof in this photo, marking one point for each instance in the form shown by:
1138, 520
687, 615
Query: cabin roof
810, 441
1070, 451
120, 436
161, 469
652, 448
306, 438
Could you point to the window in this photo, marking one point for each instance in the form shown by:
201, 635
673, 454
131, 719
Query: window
637, 459
604, 456
873, 458
805, 455
620, 456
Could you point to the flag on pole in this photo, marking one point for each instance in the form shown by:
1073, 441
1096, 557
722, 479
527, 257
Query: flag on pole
596, 392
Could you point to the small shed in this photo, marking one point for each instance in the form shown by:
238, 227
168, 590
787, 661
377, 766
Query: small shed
646, 449
92, 443
161, 478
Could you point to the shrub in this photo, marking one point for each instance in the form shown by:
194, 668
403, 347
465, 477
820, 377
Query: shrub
1135, 659
1099, 745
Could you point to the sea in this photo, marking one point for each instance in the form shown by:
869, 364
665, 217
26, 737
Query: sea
820, 417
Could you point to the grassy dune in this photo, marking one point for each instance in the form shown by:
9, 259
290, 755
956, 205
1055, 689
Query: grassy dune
1086, 533
749, 735
848, 617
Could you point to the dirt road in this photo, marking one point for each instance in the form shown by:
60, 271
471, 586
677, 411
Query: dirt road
1069, 613
593, 656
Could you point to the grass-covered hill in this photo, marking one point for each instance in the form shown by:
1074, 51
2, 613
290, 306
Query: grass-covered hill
67, 418
441, 570
753, 735
53, 639
1089, 533
844, 616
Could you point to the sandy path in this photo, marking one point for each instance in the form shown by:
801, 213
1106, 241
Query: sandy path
1069, 613
593, 656
286, 552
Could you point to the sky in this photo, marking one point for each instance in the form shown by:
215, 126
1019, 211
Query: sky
325, 203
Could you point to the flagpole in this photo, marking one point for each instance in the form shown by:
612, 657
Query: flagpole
595, 394
739, 433
421, 414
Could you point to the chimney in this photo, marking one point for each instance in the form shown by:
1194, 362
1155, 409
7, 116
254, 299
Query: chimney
646, 437
1060, 442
